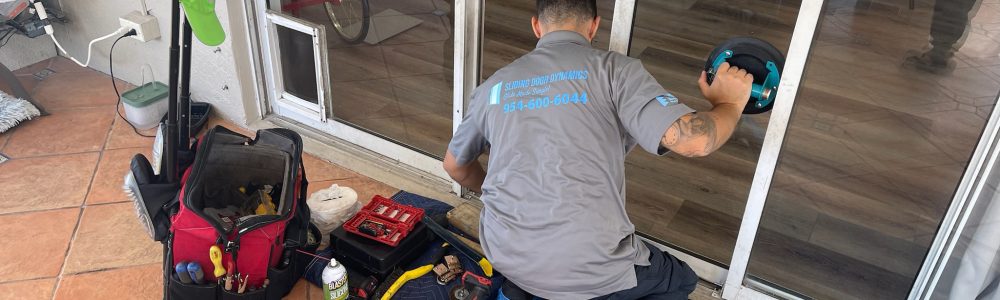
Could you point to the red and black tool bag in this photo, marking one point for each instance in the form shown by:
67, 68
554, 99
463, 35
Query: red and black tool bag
260, 247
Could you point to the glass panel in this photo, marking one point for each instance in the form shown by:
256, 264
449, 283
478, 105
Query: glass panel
298, 63
395, 78
881, 132
698, 203
973, 270
507, 32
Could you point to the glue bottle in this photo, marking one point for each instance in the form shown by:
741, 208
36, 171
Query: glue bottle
335, 281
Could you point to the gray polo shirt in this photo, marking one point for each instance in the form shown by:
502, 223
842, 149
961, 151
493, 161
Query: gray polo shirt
558, 123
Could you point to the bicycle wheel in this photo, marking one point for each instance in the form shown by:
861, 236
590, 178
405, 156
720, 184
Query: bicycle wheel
350, 19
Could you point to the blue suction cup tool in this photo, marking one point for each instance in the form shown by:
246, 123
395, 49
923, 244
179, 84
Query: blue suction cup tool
759, 58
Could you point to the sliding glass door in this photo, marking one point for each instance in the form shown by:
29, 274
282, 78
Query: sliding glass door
838, 193
696, 203
396, 80
883, 127
383, 68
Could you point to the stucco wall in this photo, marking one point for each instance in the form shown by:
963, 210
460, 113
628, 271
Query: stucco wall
21, 51
213, 69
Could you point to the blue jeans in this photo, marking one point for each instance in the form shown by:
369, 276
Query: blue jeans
666, 277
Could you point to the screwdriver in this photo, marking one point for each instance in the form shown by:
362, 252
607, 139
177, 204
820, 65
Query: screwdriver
182, 272
194, 270
229, 277
215, 254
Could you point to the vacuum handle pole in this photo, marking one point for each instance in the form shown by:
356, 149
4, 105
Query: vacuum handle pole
184, 118
170, 153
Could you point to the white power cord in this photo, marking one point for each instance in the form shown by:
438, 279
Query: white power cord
90, 47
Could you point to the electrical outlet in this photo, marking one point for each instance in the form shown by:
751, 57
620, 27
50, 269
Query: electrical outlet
146, 27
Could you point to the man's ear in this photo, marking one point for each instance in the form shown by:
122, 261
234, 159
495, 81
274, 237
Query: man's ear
594, 26
536, 26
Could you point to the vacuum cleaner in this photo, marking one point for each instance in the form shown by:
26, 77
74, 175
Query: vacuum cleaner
150, 184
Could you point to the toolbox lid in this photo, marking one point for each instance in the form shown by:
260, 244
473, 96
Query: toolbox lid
146, 94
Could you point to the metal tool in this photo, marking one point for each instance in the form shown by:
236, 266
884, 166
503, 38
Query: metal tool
448, 270
473, 287
229, 277
243, 284
449, 237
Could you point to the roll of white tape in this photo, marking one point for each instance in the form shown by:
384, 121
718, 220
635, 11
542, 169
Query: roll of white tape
331, 207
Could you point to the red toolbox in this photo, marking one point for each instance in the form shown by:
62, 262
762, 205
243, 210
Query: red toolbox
384, 220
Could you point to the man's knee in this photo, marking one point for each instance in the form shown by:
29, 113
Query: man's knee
682, 277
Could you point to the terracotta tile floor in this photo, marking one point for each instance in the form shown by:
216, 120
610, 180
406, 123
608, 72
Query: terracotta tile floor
67, 228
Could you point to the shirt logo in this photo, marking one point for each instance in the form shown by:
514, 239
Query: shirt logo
667, 99
495, 93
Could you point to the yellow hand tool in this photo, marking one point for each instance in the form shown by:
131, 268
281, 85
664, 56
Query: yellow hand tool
215, 254
407, 276
415, 273
266, 206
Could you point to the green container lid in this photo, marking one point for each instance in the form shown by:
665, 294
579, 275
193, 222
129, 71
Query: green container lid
146, 94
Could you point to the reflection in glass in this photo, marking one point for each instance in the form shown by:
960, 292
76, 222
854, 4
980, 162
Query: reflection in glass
973, 270
507, 35
507, 32
396, 79
881, 132
698, 203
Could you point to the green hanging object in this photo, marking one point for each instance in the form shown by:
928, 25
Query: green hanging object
204, 23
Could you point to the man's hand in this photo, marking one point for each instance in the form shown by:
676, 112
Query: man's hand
699, 134
731, 86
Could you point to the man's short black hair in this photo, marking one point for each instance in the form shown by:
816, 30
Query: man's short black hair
558, 11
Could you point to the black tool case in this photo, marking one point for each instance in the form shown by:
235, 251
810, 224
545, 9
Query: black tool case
374, 258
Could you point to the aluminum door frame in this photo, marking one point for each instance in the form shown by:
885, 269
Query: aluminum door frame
286, 102
323, 119
733, 279
968, 193
798, 52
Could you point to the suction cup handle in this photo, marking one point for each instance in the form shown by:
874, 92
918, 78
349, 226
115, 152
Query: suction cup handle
762, 94
756, 90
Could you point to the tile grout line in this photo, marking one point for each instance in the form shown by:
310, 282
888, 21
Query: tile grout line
11, 137
113, 268
51, 155
83, 206
26, 280
14, 213
78, 108
69, 246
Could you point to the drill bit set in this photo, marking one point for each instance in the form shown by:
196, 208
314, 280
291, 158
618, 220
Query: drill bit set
384, 220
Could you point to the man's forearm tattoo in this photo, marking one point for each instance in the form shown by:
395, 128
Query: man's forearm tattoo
692, 135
